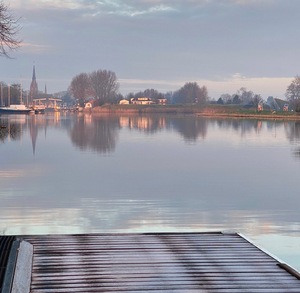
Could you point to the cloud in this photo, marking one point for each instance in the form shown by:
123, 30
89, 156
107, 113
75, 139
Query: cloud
94, 8
252, 2
34, 48
47, 4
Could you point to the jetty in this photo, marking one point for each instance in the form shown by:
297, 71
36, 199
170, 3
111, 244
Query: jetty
144, 262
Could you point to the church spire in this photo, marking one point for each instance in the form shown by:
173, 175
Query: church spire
33, 73
33, 87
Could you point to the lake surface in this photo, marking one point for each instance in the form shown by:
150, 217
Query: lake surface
72, 173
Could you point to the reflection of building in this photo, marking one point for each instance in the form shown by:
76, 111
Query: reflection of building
148, 123
140, 122
124, 121
33, 88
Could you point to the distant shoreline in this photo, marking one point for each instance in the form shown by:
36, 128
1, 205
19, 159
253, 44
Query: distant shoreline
200, 111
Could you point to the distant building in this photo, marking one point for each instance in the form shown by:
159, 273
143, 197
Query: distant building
88, 106
283, 105
124, 102
33, 93
142, 101
162, 101
278, 104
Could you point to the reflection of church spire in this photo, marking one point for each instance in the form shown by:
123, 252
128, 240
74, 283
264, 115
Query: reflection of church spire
33, 87
33, 129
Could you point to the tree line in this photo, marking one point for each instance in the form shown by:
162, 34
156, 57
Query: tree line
102, 86
242, 96
248, 97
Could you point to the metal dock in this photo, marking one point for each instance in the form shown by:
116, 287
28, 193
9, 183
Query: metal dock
151, 262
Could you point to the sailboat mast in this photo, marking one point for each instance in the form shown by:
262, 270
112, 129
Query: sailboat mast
1, 94
8, 97
21, 96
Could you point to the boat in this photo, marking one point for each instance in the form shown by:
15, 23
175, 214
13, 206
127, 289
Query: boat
39, 109
16, 109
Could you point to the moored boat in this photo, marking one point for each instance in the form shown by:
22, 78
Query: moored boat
15, 109
39, 109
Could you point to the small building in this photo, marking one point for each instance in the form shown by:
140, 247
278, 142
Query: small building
124, 102
88, 106
162, 101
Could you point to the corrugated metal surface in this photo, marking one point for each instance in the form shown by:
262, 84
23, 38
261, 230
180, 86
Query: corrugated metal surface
184, 262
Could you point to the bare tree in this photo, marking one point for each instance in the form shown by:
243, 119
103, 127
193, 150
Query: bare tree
9, 29
104, 85
245, 95
257, 99
293, 93
293, 90
80, 87
191, 93
226, 98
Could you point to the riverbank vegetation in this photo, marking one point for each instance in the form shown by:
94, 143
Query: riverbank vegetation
207, 110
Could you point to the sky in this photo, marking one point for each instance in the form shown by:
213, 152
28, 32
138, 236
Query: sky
222, 44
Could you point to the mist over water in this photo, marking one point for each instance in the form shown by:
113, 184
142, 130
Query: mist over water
69, 173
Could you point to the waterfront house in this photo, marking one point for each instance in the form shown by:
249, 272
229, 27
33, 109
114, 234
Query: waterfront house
142, 101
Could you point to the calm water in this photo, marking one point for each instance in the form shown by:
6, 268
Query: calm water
64, 173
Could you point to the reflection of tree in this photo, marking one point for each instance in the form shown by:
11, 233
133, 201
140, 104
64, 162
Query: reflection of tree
190, 127
243, 126
96, 133
293, 131
293, 134
9, 130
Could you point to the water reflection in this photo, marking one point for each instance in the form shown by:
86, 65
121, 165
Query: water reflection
95, 133
163, 173
293, 134
99, 133
9, 130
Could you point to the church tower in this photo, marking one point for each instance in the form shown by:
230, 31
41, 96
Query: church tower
33, 88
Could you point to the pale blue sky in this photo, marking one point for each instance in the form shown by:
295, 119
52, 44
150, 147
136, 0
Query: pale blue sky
223, 44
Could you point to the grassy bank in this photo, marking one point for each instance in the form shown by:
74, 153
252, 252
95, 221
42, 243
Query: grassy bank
207, 110
171, 109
